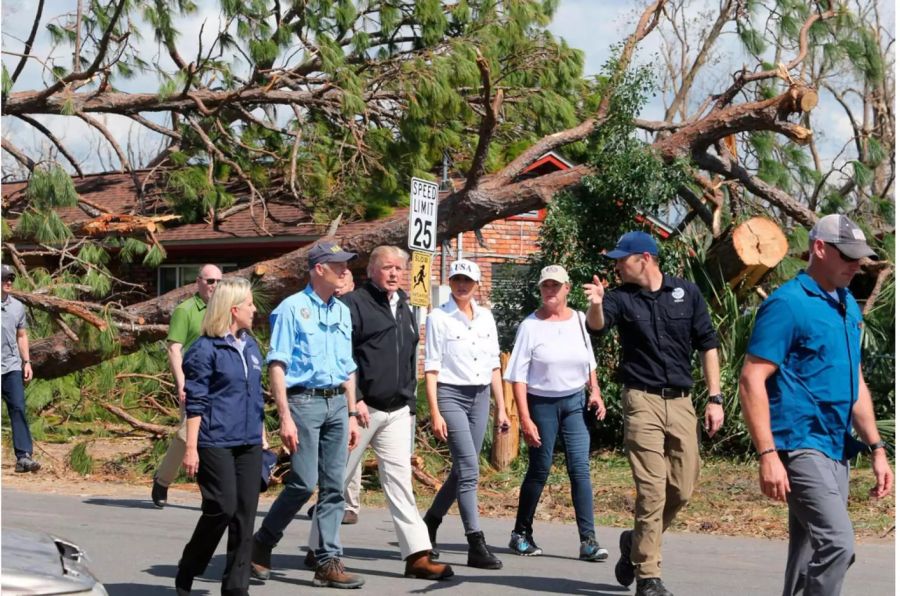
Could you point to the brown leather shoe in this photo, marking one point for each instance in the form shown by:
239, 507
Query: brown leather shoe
331, 574
420, 566
350, 518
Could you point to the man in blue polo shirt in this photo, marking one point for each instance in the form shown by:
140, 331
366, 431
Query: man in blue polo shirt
312, 377
802, 390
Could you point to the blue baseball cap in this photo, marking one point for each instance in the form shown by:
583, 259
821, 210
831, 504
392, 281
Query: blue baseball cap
269, 461
633, 243
328, 252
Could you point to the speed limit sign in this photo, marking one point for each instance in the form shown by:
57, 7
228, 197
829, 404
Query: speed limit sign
423, 203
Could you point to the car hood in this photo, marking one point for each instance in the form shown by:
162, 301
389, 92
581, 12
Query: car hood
37, 563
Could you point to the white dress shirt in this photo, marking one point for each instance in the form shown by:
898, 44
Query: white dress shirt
462, 351
554, 358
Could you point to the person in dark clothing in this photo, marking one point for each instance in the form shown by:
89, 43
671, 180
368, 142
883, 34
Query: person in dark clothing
385, 336
223, 383
662, 320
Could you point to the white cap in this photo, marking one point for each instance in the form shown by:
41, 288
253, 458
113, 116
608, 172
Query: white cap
467, 268
554, 272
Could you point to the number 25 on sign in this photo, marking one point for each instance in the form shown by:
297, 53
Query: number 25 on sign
423, 215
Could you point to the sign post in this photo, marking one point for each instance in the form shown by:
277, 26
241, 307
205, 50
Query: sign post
422, 238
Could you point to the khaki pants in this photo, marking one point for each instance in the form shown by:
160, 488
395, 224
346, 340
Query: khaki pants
171, 463
661, 441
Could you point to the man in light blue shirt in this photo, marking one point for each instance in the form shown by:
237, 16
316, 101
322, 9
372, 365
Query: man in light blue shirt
312, 377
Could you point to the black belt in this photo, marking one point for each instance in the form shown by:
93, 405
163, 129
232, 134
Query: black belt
663, 392
320, 392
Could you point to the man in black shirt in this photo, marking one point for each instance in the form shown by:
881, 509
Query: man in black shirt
385, 336
661, 320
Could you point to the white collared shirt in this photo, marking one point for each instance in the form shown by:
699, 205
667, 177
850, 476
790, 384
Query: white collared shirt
461, 351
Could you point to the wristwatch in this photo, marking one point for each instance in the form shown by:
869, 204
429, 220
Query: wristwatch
353, 413
717, 399
877, 445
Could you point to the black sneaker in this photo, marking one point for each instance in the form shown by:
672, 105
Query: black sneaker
624, 569
159, 494
651, 586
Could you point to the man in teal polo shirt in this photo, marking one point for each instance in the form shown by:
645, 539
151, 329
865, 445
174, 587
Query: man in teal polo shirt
184, 329
802, 391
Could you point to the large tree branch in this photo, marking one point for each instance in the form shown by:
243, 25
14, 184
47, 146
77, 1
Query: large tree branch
771, 194
647, 22
18, 154
488, 125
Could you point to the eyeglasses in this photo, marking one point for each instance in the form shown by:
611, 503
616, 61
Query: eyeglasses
211, 281
844, 257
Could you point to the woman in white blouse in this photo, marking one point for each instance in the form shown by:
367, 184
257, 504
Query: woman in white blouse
462, 367
551, 363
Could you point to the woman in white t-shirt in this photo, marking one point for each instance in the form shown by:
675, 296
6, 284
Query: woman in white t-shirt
551, 363
462, 366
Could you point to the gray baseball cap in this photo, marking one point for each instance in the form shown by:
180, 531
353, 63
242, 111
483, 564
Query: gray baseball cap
839, 231
7, 272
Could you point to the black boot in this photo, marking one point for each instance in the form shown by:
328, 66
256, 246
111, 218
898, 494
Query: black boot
479, 555
432, 523
183, 581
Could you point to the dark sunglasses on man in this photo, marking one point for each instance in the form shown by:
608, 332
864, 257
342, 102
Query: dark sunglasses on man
211, 281
844, 257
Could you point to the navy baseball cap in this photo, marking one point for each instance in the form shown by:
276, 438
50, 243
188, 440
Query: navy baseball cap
633, 243
328, 252
269, 461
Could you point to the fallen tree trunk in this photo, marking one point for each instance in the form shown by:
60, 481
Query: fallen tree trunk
741, 257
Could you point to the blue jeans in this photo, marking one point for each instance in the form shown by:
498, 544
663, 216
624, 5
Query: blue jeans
565, 417
321, 456
465, 410
13, 386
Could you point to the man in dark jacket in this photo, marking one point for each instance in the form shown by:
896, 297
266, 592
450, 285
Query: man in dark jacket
385, 336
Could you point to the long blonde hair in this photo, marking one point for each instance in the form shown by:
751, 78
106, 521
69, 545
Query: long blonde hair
229, 292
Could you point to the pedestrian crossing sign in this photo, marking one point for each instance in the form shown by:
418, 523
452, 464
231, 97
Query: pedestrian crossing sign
420, 284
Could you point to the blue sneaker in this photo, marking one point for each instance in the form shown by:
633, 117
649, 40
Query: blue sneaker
523, 544
591, 551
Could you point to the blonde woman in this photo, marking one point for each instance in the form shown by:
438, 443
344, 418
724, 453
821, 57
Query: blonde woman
551, 364
224, 405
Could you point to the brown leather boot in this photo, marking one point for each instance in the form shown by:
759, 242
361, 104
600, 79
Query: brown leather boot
331, 574
420, 566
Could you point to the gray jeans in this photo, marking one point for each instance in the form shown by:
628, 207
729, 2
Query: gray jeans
465, 410
821, 543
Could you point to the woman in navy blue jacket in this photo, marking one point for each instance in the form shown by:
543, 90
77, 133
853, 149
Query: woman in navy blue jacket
224, 405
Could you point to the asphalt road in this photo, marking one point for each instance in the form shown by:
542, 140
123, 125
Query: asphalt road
134, 549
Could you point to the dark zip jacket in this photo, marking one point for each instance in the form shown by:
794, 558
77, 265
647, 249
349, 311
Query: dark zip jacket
384, 349
216, 388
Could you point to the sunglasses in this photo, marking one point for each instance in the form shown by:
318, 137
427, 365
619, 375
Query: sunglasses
844, 257
211, 281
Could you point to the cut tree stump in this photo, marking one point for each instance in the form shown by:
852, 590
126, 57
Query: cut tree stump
505, 449
743, 255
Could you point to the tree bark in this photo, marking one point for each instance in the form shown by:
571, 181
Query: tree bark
505, 448
742, 257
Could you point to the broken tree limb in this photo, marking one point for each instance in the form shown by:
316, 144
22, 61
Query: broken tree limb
121, 225
741, 257
56, 305
156, 430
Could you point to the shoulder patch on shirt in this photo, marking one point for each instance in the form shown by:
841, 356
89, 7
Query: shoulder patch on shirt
304, 312
678, 294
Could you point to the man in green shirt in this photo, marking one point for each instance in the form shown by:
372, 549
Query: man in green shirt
184, 329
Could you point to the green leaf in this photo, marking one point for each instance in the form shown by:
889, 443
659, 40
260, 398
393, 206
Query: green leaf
7, 82
862, 175
753, 41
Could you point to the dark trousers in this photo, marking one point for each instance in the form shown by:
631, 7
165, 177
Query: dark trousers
13, 387
229, 480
